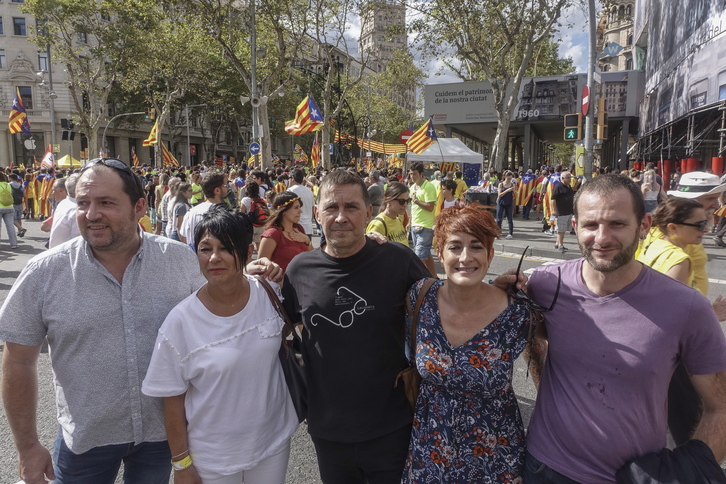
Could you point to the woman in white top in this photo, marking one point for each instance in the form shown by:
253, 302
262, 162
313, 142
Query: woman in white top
178, 207
651, 190
227, 410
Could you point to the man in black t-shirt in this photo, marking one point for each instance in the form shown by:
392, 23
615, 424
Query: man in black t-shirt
563, 209
350, 297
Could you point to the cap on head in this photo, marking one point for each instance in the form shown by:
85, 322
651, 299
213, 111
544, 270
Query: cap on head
697, 183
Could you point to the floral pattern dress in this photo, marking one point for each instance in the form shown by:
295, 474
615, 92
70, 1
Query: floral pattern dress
467, 427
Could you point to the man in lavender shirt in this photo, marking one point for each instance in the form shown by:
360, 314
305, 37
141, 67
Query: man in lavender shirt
614, 338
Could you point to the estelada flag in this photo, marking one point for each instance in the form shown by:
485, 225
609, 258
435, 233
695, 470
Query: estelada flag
49, 159
153, 136
307, 118
547, 201
134, 158
525, 189
168, 158
18, 119
422, 138
315, 152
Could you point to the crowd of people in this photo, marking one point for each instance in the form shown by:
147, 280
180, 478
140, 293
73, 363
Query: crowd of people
162, 306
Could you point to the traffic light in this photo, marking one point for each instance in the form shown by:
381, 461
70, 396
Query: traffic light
150, 113
602, 120
573, 127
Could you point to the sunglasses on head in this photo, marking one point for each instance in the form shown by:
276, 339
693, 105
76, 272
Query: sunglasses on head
110, 162
522, 296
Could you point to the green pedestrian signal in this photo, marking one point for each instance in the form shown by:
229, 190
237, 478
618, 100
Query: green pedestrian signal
573, 127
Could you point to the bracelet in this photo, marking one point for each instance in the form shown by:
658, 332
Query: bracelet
179, 455
182, 464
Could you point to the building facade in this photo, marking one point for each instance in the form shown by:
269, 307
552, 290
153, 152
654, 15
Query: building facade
616, 27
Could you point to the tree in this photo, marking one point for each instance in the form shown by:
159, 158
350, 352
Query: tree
90, 38
491, 40
279, 27
173, 60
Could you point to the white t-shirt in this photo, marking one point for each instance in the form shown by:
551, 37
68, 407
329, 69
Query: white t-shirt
191, 219
64, 226
237, 403
308, 200
247, 202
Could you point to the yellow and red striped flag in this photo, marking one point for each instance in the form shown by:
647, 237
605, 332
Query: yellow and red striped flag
307, 118
447, 166
299, 155
18, 119
168, 158
422, 138
315, 152
153, 136
525, 189
134, 158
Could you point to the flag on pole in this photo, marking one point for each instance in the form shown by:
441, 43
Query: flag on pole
18, 119
315, 152
153, 135
525, 189
134, 158
422, 138
49, 159
307, 118
168, 158
299, 155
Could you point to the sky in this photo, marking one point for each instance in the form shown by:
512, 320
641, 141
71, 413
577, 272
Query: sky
573, 39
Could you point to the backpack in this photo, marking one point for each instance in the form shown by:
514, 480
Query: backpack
17, 195
259, 213
6, 195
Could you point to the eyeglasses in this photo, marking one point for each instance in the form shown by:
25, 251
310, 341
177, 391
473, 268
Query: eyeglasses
403, 201
699, 225
522, 296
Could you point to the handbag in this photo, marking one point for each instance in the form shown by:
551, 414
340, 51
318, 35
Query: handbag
290, 355
410, 376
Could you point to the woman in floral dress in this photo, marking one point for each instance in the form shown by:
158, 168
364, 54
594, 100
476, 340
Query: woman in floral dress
467, 427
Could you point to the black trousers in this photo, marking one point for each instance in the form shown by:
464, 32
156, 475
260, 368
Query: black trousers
376, 461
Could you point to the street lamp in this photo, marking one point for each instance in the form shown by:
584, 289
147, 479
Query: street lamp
51, 94
189, 144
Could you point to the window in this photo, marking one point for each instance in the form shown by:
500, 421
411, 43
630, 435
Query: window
26, 94
43, 61
630, 39
629, 65
1, 26
19, 25
2, 59
18, 1
82, 38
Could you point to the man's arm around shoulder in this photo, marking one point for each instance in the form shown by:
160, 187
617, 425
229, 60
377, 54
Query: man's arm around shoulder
20, 399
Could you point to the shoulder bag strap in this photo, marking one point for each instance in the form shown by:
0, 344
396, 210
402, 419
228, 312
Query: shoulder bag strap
385, 227
414, 312
277, 304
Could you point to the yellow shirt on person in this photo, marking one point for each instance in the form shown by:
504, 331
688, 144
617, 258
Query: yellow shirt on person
661, 255
392, 229
461, 187
695, 252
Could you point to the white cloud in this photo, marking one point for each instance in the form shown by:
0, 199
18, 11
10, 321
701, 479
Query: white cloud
573, 37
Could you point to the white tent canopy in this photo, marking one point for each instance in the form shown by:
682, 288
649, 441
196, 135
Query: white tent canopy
453, 149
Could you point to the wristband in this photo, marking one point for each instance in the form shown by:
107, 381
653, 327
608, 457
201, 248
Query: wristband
182, 464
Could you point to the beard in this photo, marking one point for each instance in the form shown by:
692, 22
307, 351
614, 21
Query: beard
622, 258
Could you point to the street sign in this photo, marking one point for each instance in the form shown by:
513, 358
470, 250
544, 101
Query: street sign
405, 135
56, 148
585, 100
254, 148
330, 148
368, 154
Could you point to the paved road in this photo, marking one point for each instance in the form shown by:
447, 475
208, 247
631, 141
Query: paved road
302, 468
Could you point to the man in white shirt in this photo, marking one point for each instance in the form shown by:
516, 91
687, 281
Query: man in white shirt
297, 176
215, 188
64, 226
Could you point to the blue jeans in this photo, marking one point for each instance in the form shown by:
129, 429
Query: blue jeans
147, 463
423, 240
505, 210
535, 472
8, 214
